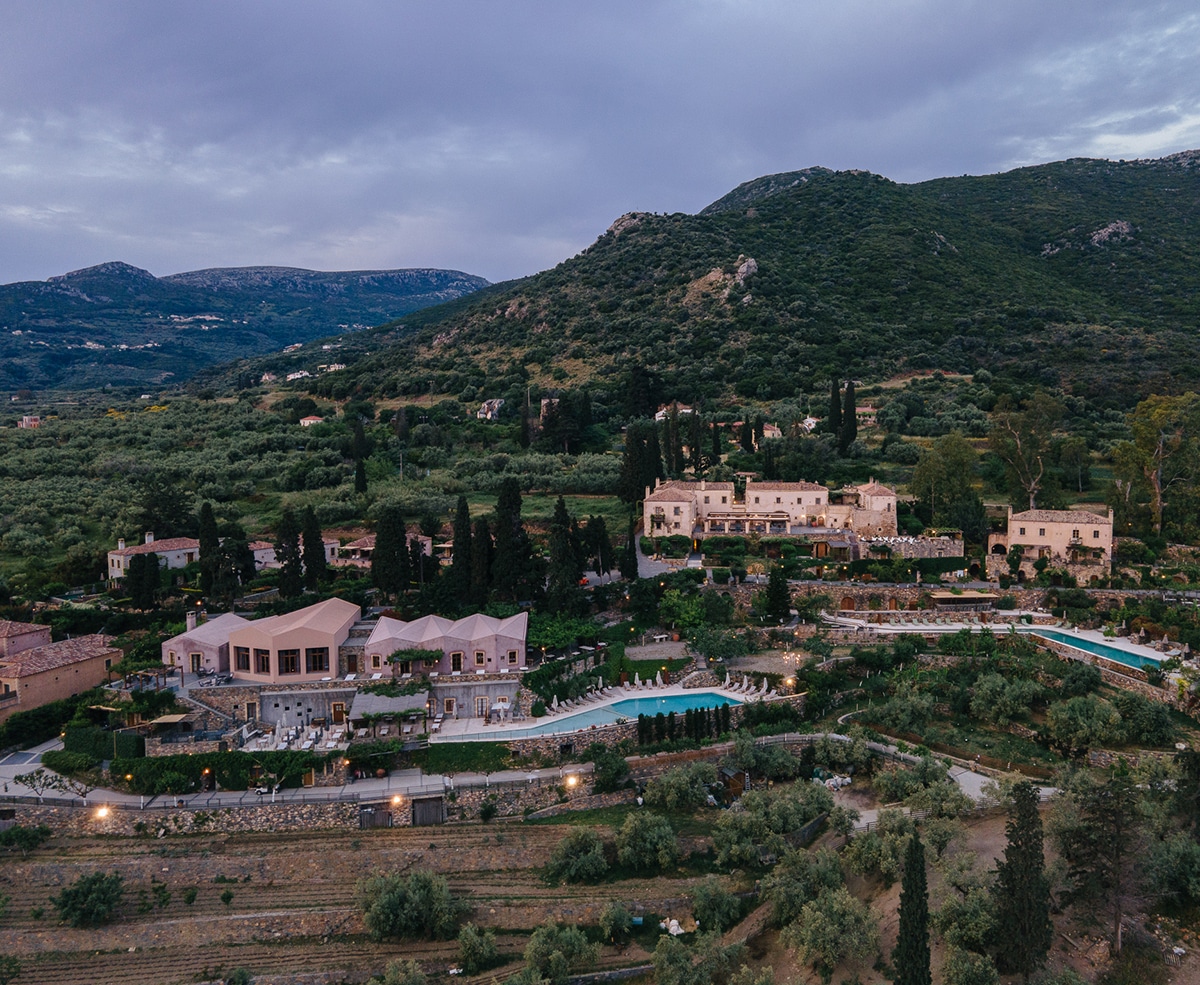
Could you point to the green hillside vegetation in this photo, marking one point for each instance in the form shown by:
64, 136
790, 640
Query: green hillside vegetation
114, 324
1080, 276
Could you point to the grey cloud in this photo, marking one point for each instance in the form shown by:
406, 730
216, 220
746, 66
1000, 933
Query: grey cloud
501, 138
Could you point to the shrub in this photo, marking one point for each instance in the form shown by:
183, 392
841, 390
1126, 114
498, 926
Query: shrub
20, 838
831, 929
555, 952
68, 763
476, 949
579, 857
90, 900
647, 842
419, 905
1080, 679
714, 906
615, 922
682, 788
609, 770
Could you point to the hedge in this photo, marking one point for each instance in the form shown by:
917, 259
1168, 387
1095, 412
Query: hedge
28, 728
101, 744
233, 770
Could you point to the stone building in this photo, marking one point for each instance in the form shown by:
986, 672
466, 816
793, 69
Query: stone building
1076, 541
699, 509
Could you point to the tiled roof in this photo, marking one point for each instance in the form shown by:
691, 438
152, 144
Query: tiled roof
158, 546
1060, 516
875, 489
786, 486
62, 654
10, 628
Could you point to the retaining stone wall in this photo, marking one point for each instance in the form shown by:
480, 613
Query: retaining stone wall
83, 822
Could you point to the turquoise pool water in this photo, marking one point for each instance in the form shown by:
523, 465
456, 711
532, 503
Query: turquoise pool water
1116, 654
628, 708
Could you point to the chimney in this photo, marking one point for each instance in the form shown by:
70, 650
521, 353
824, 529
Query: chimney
191, 620
149, 536
702, 485
120, 543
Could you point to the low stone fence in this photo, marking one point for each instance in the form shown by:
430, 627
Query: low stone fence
85, 821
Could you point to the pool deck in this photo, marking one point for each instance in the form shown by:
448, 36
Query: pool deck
1123, 643
459, 728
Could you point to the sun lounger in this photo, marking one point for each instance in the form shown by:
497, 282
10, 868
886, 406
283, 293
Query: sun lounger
377, 676
384, 731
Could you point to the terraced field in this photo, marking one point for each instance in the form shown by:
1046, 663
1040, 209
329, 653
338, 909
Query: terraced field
292, 907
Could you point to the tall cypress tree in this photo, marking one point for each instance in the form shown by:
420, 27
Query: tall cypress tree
911, 957
481, 563
360, 476
835, 408
1022, 891
630, 488
562, 589
287, 553
716, 443
460, 564
629, 558
210, 544
389, 559
314, 550
779, 596
849, 429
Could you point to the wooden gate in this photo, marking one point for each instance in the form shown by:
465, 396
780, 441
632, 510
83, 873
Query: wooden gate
427, 811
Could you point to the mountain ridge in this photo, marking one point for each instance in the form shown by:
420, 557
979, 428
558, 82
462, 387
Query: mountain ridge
1080, 275
115, 323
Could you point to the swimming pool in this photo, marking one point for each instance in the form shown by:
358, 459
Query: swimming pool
1113, 653
627, 708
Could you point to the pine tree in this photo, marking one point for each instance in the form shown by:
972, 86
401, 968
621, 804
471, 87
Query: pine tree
389, 559
835, 408
911, 956
460, 564
1022, 891
314, 550
210, 544
849, 429
481, 563
287, 553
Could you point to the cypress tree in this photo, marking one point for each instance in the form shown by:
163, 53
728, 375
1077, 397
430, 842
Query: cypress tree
360, 476
747, 437
630, 488
629, 557
481, 563
524, 436
716, 443
695, 441
142, 580
779, 596
287, 553
314, 550
911, 957
505, 561
460, 564
389, 559
1022, 891
562, 589
849, 429
835, 408
652, 463
210, 544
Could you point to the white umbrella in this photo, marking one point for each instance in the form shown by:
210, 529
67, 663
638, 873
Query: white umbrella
745, 682
763, 689
658, 679
637, 679
554, 702
726, 678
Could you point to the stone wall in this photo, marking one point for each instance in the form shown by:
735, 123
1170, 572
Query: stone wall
86, 822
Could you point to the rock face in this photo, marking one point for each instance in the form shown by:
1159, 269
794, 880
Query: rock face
747, 269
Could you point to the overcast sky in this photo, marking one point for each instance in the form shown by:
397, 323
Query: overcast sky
500, 137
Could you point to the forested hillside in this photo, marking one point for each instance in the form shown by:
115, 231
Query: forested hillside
1080, 275
117, 324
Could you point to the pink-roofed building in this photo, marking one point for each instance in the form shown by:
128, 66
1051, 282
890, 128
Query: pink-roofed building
294, 648
477, 673
173, 552
477, 643
202, 646
357, 553
307, 422
38, 675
